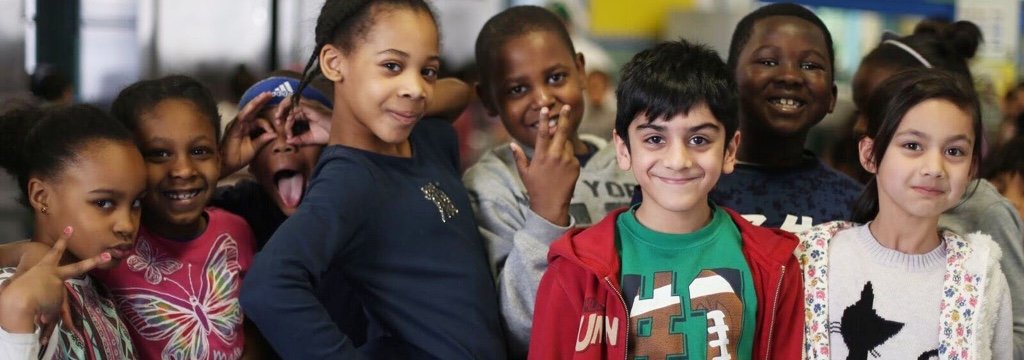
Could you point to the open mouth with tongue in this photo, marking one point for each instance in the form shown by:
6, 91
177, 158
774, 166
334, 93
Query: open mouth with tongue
290, 186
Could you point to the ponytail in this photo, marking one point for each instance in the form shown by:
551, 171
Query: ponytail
865, 208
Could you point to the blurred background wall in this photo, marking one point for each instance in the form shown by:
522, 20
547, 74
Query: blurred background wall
103, 45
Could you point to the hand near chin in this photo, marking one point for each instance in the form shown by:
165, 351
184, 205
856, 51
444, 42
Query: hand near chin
550, 177
309, 123
245, 135
35, 295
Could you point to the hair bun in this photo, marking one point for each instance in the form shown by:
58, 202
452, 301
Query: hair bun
16, 121
964, 37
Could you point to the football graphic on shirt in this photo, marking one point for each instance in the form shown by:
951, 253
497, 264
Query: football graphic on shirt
657, 320
716, 293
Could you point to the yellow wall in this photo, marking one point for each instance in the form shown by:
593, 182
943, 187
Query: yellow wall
645, 17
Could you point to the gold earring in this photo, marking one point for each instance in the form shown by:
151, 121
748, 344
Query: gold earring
44, 210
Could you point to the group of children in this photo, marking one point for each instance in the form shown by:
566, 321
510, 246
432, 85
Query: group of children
358, 239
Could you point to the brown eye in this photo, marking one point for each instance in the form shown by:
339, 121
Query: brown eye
300, 127
256, 132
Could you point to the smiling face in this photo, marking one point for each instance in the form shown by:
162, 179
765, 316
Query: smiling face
100, 196
386, 80
677, 161
784, 77
533, 71
928, 163
179, 145
283, 170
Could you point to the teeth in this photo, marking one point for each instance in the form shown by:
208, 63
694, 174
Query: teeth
787, 102
182, 196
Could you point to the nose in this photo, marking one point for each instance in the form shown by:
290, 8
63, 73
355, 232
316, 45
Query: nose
413, 87
679, 158
280, 146
542, 98
126, 224
788, 74
934, 165
183, 167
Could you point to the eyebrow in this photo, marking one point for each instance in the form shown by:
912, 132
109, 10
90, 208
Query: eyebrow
921, 134
520, 77
811, 51
166, 140
110, 192
692, 129
404, 55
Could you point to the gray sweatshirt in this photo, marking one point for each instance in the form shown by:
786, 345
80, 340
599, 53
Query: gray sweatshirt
518, 239
988, 212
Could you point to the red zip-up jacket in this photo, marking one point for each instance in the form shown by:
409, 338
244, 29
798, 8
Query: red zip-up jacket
580, 312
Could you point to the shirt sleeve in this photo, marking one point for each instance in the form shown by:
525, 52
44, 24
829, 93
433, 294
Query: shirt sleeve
19, 346
1004, 225
517, 241
279, 292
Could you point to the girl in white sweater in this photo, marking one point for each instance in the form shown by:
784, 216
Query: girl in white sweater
898, 287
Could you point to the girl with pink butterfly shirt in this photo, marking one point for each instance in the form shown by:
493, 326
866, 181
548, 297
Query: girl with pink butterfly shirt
177, 290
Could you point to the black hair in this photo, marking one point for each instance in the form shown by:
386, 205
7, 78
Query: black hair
670, 79
37, 142
143, 96
892, 100
1009, 159
341, 23
741, 35
49, 82
240, 81
512, 23
944, 46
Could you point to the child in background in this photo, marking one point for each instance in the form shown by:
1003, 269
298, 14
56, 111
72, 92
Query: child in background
982, 209
178, 289
384, 212
783, 61
280, 170
922, 145
1006, 173
695, 278
82, 176
281, 145
528, 193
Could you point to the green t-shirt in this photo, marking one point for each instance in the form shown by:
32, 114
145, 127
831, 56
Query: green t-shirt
690, 296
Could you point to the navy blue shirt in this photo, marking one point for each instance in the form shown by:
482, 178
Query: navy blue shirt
402, 233
792, 199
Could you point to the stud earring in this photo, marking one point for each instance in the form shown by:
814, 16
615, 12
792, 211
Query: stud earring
44, 210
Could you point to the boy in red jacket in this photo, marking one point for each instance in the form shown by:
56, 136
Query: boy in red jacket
675, 276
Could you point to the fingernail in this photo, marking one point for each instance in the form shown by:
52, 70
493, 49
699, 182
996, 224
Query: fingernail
566, 108
68, 230
105, 256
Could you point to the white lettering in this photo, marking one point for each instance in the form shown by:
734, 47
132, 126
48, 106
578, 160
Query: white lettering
792, 225
581, 344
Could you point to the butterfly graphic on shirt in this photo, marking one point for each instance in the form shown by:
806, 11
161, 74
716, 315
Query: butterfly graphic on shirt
151, 260
186, 322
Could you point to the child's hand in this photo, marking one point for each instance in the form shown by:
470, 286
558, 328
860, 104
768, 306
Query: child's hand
306, 124
35, 294
239, 145
550, 177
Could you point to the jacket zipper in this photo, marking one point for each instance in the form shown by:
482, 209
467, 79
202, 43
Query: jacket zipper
625, 339
775, 311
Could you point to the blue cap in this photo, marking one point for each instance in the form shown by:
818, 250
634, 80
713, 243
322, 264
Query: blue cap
282, 87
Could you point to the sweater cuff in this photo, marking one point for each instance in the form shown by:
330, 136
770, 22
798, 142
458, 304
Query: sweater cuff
543, 230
